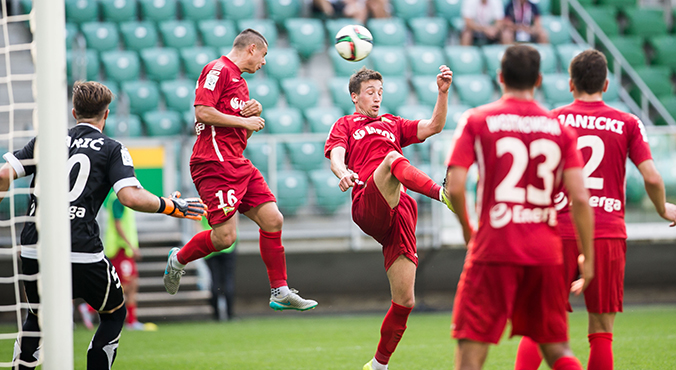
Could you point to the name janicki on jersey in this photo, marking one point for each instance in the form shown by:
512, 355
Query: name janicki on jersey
592, 122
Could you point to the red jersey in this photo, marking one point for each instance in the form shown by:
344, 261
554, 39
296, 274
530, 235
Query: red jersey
368, 140
520, 149
606, 136
221, 86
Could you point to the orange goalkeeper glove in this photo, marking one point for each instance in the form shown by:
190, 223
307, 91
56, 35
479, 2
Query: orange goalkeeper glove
192, 208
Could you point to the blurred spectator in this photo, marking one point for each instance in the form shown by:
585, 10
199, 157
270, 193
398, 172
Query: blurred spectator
359, 10
222, 267
522, 23
484, 22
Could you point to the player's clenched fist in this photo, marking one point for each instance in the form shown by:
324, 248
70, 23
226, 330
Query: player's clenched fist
251, 108
444, 78
192, 208
254, 123
347, 181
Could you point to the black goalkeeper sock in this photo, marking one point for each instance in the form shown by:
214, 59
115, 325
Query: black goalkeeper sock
103, 348
29, 346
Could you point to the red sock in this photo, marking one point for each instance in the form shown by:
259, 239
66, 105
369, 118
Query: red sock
272, 252
601, 351
567, 363
528, 355
391, 331
414, 179
131, 313
199, 246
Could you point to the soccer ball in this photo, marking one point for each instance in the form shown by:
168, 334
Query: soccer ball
354, 42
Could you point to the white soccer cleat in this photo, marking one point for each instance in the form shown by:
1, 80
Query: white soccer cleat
172, 275
292, 301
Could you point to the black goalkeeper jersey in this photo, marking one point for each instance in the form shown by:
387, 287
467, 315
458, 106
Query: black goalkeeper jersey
95, 164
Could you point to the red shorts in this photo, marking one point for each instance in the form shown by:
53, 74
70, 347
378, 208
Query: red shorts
125, 267
394, 228
532, 297
605, 293
226, 187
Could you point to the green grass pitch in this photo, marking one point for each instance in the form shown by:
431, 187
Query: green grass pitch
645, 338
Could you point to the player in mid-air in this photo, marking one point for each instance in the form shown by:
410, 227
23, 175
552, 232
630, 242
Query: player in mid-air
514, 265
96, 164
226, 181
365, 153
606, 137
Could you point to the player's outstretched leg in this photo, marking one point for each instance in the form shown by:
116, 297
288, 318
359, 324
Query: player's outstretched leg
416, 180
199, 246
103, 347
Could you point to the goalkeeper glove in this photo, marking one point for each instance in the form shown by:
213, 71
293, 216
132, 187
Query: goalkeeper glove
192, 208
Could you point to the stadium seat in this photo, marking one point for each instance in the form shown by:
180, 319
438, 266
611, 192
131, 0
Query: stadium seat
260, 153
548, 60
424, 150
658, 80
195, 58
453, 115
664, 48
158, 10
306, 155
448, 9
179, 95
429, 31
237, 9
115, 89
334, 25
217, 32
82, 65
328, 194
635, 188
619, 105
342, 67
669, 103
178, 34
79, 11
414, 112
265, 26
493, 55
123, 126
198, 10
163, 123
305, 35
395, 92
425, 60
281, 63
321, 119
474, 90
464, 59
605, 17
283, 120
408, 9
557, 28
281, 10
118, 10
121, 65
567, 52
138, 35
292, 191
556, 89
189, 121
143, 96
613, 92
71, 32
26, 6
340, 94
264, 90
389, 61
300, 93
645, 22
544, 6
619, 4
631, 48
101, 36
426, 89
387, 31
161, 64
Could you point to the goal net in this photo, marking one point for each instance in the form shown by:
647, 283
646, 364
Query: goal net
33, 98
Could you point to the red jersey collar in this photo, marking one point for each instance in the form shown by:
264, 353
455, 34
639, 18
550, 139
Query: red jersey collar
591, 104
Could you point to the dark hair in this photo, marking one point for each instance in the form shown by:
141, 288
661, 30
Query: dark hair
91, 99
588, 71
247, 37
520, 67
364, 74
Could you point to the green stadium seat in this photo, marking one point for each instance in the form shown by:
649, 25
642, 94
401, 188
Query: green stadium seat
237, 9
115, 89
658, 80
387, 31
664, 48
26, 6
71, 31
635, 189
557, 28
198, 10
79, 11
163, 123
305, 35
161, 64
619, 105
217, 32
281, 10
474, 90
631, 48
101, 36
283, 120
414, 112
661, 144
645, 22
179, 95
464, 59
605, 17
395, 92
408, 9
619, 4
123, 126
566, 53
139, 35
429, 31
329, 197
195, 58
265, 26
613, 92
306, 155
118, 10
143, 96
544, 6
426, 89
300, 93
281, 63
548, 60
158, 10
342, 67
334, 25
424, 150
82, 66
121, 65
425, 60
448, 9
264, 90
321, 119
493, 55
189, 121
292, 191
669, 103
453, 115
178, 34
260, 153
340, 94
556, 89
389, 61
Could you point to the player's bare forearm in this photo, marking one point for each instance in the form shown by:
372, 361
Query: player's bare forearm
583, 219
338, 167
654, 186
455, 191
138, 199
6, 175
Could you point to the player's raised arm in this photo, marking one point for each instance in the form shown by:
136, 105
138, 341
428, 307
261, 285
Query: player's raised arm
583, 219
654, 186
211, 116
142, 200
434, 125
347, 178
